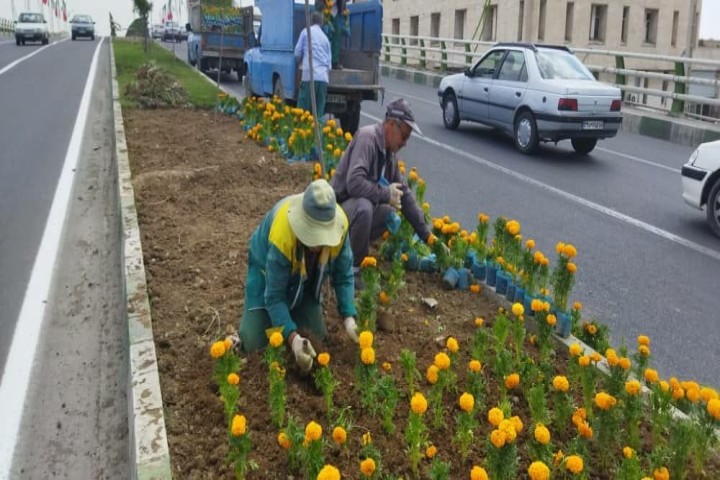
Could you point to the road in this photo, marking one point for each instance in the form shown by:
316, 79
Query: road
648, 264
63, 346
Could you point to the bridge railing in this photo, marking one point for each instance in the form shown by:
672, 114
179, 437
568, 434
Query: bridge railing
7, 27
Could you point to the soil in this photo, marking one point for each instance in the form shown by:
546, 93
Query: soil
201, 189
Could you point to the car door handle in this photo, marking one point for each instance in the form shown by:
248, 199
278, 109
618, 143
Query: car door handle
518, 94
485, 89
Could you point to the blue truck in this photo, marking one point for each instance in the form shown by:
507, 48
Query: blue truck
219, 37
271, 68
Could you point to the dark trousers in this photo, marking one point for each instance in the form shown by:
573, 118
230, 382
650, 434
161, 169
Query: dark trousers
304, 99
367, 224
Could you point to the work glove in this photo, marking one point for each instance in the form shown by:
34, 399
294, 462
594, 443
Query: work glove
396, 194
236, 343
351, 328
304, 353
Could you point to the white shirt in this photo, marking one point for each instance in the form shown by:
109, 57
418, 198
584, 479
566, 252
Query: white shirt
321, 54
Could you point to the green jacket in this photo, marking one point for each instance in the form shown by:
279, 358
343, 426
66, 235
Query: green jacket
277, 279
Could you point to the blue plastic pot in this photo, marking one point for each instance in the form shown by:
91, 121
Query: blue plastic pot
492, 271
502, 283
510, 294
463, 279
562, 327
427, 264
471, 259
479, 271
413, 262
451, 278
519, 295
527, 303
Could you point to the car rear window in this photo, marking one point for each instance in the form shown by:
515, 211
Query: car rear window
556, 64
82, 19
30, 18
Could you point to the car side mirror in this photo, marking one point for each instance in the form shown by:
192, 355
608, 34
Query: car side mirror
468, 72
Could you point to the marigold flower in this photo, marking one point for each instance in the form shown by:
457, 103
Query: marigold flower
611, 356
633, 388
651, 376
625, 363
313, 431
558, 457
513, 227
644, 350
569, 250
580, 413
482, 218
574, 464
508, 428
432, 374
530, 244
365, 340
561, 384
559, 247
591, 328
339, 435
495, 416
367, 467
518, 309
348, 136
498, 438
551, 320
542, 434
404, 257
661, 474
233, 379
596, 357
431, 240
228, 344
418, 404
475, 366
585, 430
323, 359
368, 262
475, 288
478, 473
707, 394
442, 361
329, 472
664, 386
217, 349
276, 339
387, 366
283, 440
466, 402
367, 356
604, 401
692, 394
538, 471
584, 361
628, 452
337, 152
577, 306
366, 438
512, 381
238, 425
643, 340
713, 408
383, 298
479, 321
431, 451
516, 423
536, 305
571, 267
538, 257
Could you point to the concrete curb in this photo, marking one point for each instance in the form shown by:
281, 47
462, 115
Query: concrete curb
647, 123
149, 451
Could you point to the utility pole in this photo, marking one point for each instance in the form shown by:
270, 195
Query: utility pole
690, 35
12, 9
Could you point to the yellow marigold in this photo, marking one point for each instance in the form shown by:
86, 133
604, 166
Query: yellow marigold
323, 359
559, 247
513, 227
495, 416
577, 306
438, 224
611, 356
466, 402
551, 320
664, 386
233, 379
367, 356
431, 240
591, 328
538, 257
569, 250
478, 473
538, 471
365, 340
707, 394
217, 349
561, 384
413, 175
366, 438
475, 288
518, 309
452, 345
228, 344
595, 357
367, 467
628, 452
479, 321
713, 408
498, 438
625, 363
337, 152
387, 366
482, 218
633, 388
431, 451
348, 136
574, 464
404, 257
644, 350
558, 457
369, 262
329, 472
530, 244
643, 340
584, 361
339, 132
508, 427
585, 430
571, 267
283, 440
516, 423
442, 361
418, 404
339, 435
329, 147
542, 434
581, 414
331, 123
238, 425
651, 376
661, 474
536, 305
276, 339
432, 374
693, 395
383, 298
512, 381
313, 431
604, 401
475, 366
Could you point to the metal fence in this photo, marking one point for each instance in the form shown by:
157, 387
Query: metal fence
449, 54
7, 27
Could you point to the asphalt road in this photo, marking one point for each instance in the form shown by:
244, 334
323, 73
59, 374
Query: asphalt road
648, 264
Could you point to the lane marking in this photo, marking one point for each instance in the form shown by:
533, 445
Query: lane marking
640, 160
715, 255
423, 100
22, 59
15, 379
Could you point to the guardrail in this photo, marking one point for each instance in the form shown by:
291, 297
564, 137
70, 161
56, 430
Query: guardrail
450, 53
7, 27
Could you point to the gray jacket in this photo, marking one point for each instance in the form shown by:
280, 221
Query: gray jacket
359, 170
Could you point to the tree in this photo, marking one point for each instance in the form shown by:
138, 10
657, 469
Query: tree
143, 8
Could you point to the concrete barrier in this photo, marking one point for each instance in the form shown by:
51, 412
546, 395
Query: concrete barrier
7, 27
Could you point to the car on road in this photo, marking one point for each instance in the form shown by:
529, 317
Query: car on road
31, 27
701, 182
536, 93
171, 31
82, 26
157, 31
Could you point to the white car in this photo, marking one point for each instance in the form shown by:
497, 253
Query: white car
701, 182
31, 27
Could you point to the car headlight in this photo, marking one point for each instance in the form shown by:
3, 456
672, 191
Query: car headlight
693, 157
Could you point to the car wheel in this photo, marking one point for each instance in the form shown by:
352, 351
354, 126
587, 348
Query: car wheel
526, 136
451, 116
23, 42
73, 37
713, 208
92, 38
583, 146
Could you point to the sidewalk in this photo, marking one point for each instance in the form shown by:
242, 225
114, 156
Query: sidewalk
635, 120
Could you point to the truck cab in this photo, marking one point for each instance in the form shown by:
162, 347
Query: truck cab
271, 68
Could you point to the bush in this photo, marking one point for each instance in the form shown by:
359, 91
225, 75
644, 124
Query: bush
155, 88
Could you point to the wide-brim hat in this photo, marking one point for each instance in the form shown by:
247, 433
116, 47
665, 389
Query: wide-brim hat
315, 217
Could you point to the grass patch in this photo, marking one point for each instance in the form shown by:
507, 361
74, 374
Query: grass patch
129, 56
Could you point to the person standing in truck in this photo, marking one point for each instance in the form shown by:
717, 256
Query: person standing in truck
320, 65
335, 26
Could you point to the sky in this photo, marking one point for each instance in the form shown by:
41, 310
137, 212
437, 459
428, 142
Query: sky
123, 13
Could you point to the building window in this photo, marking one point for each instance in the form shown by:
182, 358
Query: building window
489, 24
569, 15
625, 23
414, 29
676, 20
435, 27
598, 22
521, 16
396, 30
541, 20
460, 24
651, 25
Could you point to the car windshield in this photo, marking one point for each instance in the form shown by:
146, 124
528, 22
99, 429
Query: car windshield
81, 19
557, 64
30, 18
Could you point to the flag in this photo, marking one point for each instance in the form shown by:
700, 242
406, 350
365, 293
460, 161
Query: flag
45, 2
64, 10
170, 15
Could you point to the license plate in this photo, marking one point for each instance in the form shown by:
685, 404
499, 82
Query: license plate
335, 98
593, 125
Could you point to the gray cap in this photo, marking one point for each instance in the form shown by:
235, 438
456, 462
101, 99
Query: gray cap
400, 108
